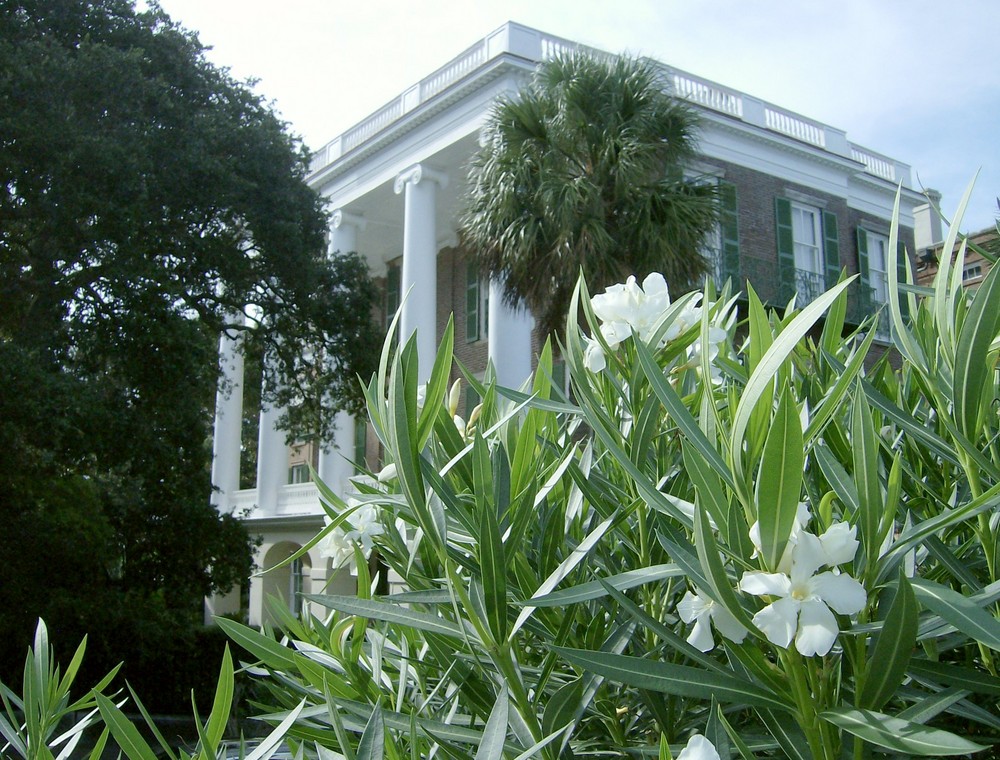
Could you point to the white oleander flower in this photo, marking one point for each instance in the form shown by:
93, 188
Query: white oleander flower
593, 357
703, 611
336, 546
627, 308
454, 396
806, 600
366, 525
339, 544
387, 473
699, 748
802, 517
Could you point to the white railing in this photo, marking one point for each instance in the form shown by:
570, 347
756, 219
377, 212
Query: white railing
243, 501
787, 123
298, 499
879, 165
459, 67
707, 94
374, 124
701, 92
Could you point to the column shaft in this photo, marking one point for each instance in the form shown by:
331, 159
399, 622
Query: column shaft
272, 459
509, 339
227, 433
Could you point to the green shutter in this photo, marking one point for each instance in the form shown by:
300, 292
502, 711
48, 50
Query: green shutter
472, 301
831, 249
786, 250
729, 233
865, 297
360, 443
392, 294
904, 300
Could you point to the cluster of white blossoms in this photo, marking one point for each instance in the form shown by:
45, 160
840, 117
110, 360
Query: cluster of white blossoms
339, 544
699, 748
803, 599
626, 309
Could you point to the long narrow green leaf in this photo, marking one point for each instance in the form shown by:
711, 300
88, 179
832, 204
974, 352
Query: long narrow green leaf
595, 589
958, 611
932, 706
902, 337
680, 680
495, 732
973, 388
976, 681
374, 609
779, 480
766, 370
272, 741
223, 703
893, 648
494, 570
679, 413
266, 649
437, 384
126, 735
866, 457
899, 735
372, 743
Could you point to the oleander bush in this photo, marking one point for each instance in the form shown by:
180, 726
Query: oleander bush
743, 531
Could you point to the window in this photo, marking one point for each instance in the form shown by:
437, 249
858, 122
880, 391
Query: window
808, 250
295, 583
392, 291
298, 473
972, 272
477, 300
878, 262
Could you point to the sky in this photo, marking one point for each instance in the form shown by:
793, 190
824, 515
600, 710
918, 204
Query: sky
917, 80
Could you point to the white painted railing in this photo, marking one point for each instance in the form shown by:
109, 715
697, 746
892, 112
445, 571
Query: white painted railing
298, 499
879, 165
536, 46
787, 123
707, 94
459, 67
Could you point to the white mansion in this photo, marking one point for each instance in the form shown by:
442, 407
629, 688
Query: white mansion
800, 202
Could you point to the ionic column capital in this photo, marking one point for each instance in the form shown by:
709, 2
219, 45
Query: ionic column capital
340, 218
415, 174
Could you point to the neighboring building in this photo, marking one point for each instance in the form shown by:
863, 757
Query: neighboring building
800, 203
975, 267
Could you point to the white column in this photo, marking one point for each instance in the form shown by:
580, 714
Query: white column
344, 230
335, 468
227, 433
272, 458
335, 453
419, 273
509, 339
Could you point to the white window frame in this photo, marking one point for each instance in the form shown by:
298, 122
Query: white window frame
878, 276
808, 255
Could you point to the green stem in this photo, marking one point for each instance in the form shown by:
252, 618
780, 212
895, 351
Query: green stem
796, 671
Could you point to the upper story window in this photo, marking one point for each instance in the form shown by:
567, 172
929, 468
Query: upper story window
972, 272
878, 263
808, 250
477, 303
298, 473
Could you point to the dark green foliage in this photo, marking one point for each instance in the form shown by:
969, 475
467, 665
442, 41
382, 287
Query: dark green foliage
145, 199
584, 172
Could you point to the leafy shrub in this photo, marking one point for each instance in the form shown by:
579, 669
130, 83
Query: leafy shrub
731, 528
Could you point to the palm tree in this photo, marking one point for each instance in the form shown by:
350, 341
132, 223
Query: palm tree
584, 171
